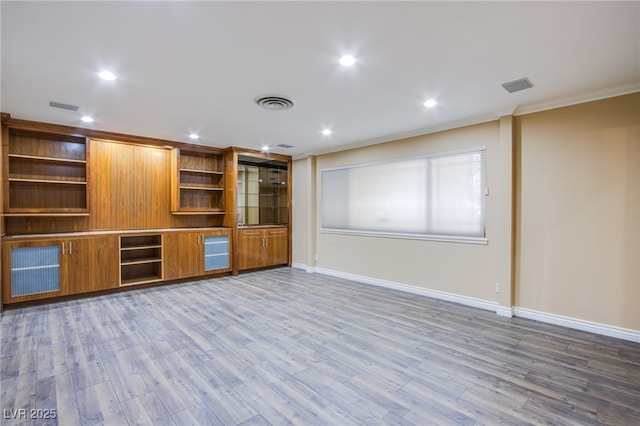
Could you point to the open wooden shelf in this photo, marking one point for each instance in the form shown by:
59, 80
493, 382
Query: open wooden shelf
198, 182
46, 173
140, 259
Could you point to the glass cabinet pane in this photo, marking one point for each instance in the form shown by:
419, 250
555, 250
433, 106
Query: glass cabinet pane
262, 191
35, 270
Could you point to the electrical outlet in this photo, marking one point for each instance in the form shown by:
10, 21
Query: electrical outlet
497, 287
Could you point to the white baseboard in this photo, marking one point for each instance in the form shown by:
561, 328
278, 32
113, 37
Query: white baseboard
450, 297
304, 267
578, 324
505, 311
574, 323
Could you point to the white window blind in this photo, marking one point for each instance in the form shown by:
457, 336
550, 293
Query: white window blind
436, 195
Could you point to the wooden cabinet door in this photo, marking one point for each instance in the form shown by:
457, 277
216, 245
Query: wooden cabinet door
32, 270
91, 264
251, 250
277, 247
183, 255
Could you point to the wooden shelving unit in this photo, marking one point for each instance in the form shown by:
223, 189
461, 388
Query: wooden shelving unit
140, 259
46, 174
198, 186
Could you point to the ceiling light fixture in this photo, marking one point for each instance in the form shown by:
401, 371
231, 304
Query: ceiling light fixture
347, 60
265, 148
327, 132
194, 136
430, 103
87, 119
107, 75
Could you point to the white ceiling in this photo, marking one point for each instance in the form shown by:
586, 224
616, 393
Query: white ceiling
198, 66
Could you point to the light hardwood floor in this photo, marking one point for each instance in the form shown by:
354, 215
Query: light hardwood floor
286, 347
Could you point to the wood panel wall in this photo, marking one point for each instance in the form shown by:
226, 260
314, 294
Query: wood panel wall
131, 186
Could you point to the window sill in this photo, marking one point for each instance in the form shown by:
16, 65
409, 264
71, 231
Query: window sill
399, 235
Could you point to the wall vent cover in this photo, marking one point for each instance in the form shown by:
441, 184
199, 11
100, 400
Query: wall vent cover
274, 102
54, 104
517, 85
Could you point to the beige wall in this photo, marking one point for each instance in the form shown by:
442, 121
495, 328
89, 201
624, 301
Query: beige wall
574, 249
578, 211
458, 268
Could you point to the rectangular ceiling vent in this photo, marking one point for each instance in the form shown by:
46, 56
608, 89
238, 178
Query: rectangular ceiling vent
517, 85
284, 145
69, 107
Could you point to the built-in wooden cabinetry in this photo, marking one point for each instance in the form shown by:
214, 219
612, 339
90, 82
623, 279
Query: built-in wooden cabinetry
37, 267
87, 211
197, 253
45, 174
261, 247
197, 182
140, 259
57, 265
262, 216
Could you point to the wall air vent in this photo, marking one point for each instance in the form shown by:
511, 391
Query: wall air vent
274, 102
517, 85
69, 107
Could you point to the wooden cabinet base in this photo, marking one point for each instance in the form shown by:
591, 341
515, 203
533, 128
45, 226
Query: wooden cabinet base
262, 247
45, 267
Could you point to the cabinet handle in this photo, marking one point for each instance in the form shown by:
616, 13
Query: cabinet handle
63, 248
70, 247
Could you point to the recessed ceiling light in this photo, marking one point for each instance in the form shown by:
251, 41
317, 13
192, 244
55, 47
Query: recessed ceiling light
107, 75
430, 103
347, 60
265, 148
87, 119
194, 136
327, 132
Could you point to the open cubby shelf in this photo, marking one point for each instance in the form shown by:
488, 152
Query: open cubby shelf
140, 259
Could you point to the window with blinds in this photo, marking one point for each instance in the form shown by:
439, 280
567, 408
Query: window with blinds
439, 196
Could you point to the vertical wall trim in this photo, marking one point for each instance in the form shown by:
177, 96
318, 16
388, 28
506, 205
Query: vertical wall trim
505, 255
311, 246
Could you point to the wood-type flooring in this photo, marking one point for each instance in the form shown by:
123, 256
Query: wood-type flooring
284, 346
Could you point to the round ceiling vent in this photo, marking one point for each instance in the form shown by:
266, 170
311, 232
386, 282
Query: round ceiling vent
274, 102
